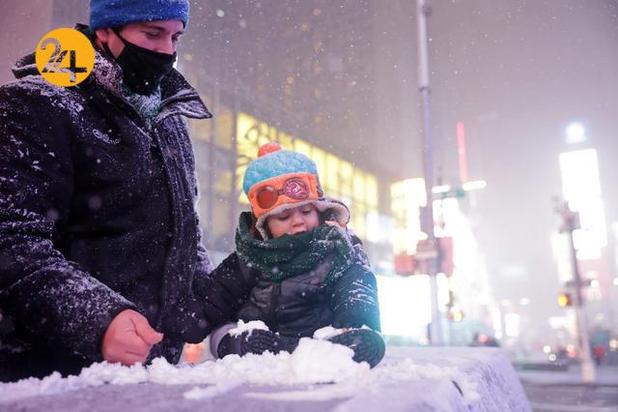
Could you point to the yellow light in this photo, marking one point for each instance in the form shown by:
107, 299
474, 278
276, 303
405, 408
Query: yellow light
564, 300
546, 349
613, 345
458, 316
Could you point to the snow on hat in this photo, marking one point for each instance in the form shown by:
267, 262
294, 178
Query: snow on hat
116, 13
282, 179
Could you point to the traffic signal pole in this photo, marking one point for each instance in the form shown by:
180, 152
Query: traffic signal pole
570, 224
427, 223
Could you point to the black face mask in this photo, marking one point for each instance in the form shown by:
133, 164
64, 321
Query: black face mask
142, 69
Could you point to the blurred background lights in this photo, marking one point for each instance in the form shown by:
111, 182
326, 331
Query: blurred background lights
575, 133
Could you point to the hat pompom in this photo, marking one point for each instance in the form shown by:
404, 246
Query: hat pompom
269, 147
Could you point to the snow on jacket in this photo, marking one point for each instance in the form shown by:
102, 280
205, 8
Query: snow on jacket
297, 305
96, 215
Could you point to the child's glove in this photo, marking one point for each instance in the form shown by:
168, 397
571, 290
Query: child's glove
368, 345
255, 341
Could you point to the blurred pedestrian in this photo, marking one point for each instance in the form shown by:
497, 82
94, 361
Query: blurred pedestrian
598, 353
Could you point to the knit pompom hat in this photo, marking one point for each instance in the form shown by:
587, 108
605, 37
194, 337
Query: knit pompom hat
282, 179
117, 13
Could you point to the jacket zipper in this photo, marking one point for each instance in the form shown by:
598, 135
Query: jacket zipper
275, 304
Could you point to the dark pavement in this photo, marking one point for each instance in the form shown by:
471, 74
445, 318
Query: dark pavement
562, 391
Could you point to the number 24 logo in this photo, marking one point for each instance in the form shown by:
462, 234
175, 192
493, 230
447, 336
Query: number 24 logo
65, 57
57, 57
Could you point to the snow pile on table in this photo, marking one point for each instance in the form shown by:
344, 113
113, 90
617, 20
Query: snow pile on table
95, 375
314, 361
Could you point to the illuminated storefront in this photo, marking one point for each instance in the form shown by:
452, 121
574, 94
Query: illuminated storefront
467, 278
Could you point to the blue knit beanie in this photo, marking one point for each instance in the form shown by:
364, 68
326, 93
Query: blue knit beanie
117, 13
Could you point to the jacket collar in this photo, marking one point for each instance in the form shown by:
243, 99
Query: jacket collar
177, 95
25, 66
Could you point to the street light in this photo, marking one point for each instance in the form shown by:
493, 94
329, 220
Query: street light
474, 185
575, 133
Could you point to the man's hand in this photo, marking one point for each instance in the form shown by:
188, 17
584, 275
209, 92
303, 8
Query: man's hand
129, 338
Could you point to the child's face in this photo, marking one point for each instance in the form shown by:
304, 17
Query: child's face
293, 221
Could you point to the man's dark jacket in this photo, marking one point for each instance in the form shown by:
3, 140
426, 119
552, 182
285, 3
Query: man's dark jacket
97, 215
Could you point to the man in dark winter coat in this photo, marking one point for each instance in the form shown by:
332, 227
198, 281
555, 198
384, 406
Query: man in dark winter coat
99, 238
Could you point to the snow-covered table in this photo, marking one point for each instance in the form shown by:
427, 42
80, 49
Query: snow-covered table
408, 379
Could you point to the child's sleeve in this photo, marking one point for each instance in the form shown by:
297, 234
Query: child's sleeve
355, 299
224, 290
217, 296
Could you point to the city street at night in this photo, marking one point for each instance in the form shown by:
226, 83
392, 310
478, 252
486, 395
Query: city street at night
309, 205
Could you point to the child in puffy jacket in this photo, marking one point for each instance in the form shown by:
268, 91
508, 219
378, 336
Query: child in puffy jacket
296, 268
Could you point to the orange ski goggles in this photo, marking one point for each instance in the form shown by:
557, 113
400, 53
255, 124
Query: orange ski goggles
283, 189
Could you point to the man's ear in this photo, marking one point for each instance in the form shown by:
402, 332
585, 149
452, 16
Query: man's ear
102, 35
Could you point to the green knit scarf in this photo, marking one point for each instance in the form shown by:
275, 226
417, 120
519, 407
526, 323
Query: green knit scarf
292, 255
147, 106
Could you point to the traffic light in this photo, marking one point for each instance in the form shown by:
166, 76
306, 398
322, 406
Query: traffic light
405, 265
455, 315
565, 300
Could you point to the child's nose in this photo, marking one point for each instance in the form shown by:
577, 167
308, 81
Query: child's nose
297, 218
